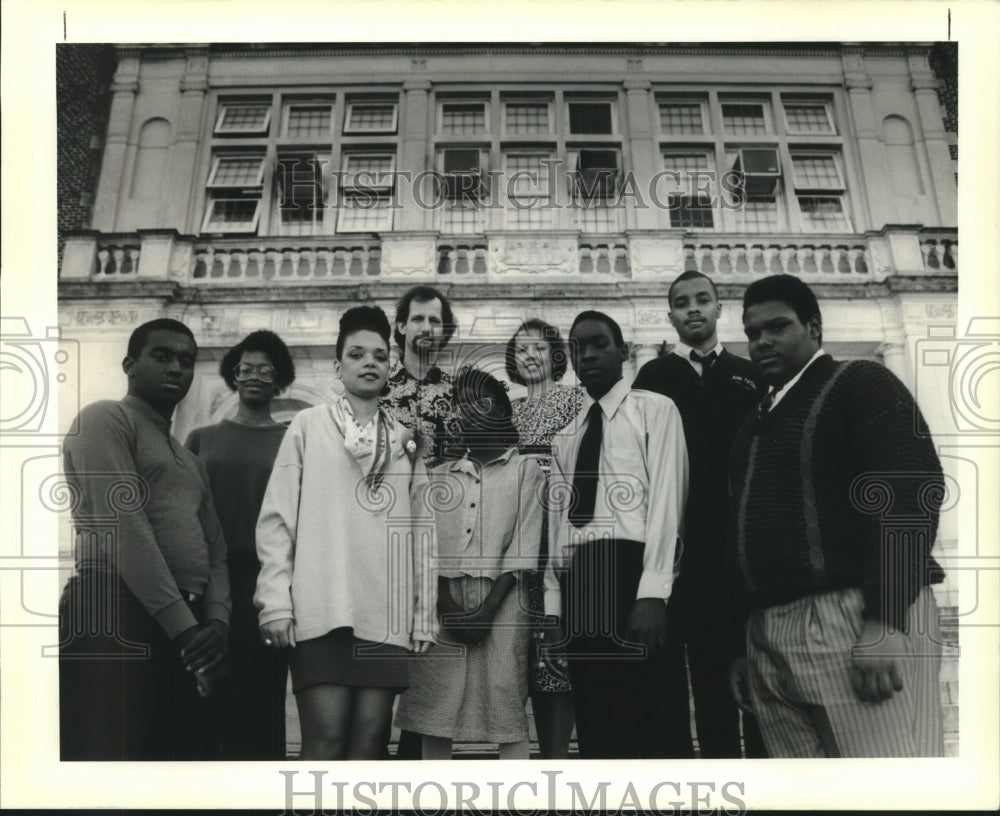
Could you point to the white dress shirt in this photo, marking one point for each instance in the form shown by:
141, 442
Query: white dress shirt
779, 393
641, 487
682, 349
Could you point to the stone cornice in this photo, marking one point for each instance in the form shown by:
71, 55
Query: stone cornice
160, 52
522, 290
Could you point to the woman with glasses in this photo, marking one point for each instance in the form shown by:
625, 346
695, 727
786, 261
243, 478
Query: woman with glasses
239, 454
536, 359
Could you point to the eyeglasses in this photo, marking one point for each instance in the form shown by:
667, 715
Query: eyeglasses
245, 371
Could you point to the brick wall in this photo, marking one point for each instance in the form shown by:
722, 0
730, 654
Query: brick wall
944, 62
83, 76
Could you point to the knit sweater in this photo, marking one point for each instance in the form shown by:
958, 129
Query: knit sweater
838, 486
335, 553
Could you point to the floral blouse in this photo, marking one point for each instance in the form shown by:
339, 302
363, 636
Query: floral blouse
424, 406
538, 420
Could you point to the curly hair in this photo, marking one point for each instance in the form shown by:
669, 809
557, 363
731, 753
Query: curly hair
138, 339
424, 294
557, 349
270, 344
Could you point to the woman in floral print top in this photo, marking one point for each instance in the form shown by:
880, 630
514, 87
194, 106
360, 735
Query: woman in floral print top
536, 358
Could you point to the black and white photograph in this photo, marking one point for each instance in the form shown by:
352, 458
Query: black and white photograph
380, 387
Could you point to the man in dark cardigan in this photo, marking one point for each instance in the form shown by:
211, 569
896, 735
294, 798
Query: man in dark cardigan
714, 390
837, 490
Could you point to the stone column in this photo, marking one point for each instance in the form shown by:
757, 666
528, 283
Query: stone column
924, 84
181, 189
641, 214
123, 90
871, 152
413, 155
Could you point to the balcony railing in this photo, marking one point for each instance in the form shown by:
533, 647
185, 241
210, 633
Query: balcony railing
548, 256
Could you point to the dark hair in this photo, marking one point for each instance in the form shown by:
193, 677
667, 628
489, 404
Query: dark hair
270, 344
480, 385
590, 314
423, 294
686, 276
787, 289
557, 349
140, 336
361, 318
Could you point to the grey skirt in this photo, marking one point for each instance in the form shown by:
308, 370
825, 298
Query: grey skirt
341, 659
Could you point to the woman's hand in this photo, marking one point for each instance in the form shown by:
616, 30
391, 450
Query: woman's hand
420, 645
278, 634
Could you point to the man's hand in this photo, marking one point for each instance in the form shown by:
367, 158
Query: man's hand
739, 686
205, 653
278, 634
875, 670
647, 624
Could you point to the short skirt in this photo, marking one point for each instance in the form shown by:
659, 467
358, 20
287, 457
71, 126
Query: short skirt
341, 659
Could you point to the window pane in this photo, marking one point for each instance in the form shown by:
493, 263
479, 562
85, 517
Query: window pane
244, 117
824, 213
758, 215
372, 117
681, 118
463, 119
527, 118
519, 166
743, 118
590, 117
364, 214
372, 163
598, 216
808, 118
458, 219
232, 214
309, 121
817, 172
533, 217
695, 213
243, 171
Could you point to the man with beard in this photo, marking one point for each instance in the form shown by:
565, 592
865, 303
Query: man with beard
144, 620
714, 390
420, 395
420, 392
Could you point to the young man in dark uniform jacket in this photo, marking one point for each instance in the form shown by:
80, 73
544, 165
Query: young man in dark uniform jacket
714, 390
837, 489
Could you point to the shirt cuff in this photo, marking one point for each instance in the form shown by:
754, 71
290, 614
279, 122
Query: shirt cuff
655, 585
275, 615
216, 610
175, 618
553, 602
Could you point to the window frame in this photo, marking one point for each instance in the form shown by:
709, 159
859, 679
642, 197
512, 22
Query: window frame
549, 117
225, 104
827, 107
349, 130
612, 104
765, 104
289, 104
702, 104
439, 118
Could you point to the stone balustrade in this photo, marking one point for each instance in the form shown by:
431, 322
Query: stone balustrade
641, 256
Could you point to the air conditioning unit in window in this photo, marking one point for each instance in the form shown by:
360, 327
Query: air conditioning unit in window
759, 168
463, 173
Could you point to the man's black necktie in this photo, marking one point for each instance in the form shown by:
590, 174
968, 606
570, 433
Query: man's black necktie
587, 462
706, 361
765, 404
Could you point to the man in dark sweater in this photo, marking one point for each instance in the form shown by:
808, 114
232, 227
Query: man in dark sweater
144, 620
714, 390
837, 490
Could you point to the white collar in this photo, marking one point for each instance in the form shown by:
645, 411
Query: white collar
780, 392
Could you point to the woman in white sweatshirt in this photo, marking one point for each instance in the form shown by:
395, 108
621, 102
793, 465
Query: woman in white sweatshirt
344, 578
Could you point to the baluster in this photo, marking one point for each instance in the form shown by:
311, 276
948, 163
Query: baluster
367, 258
241, 258
603, 259
102, 261
133, 257
741, 260
925, 250
309, 256
715, 255
856, 256
804, 255
327, 258
769, 254
756, 259
225, 258
119, 255
274, 261
293, 257
940, 250
784, 256
356, 268
479, 267
953, 252
258, 259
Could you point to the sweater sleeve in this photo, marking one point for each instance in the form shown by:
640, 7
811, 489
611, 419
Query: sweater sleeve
100, 464
218, 604
424, 625
276, 528
899, 486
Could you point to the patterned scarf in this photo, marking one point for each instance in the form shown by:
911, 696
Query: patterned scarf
369, 445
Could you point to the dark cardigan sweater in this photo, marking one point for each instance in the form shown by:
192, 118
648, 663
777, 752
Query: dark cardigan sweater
838, 486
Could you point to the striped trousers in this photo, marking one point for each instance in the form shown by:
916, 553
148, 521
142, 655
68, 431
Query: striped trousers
799, 664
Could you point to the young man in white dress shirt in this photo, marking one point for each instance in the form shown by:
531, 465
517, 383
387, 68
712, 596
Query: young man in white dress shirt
618, 489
